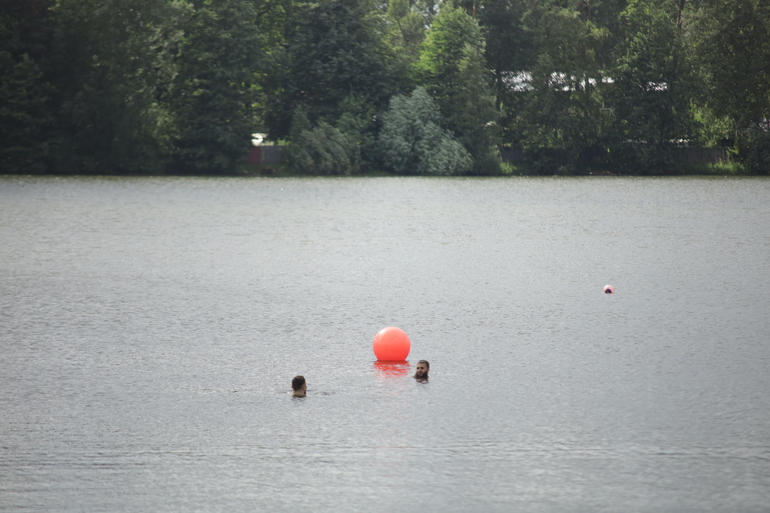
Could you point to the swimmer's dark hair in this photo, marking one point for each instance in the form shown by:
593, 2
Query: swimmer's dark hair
297, 382
427, 365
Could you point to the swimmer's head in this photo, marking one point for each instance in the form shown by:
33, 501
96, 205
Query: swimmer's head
421, 371
299, 386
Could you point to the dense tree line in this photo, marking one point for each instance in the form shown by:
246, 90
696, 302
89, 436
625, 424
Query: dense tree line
407, 86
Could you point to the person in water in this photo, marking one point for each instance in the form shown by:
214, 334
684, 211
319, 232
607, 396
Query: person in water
421, 371
299, 386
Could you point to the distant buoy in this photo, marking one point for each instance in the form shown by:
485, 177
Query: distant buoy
391, 345
608, 289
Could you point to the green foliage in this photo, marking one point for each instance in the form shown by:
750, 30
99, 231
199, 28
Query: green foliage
454, 71
562, 123
406, 32
649, 94
731, 46
755, 148
726, 169
347, 148
25, 122
299, 123
273, 77
24, 119
473, 114
91, 86
215, 92
412, 141
337, 48
115, 64
357, 122
444, 47
509, 48
324, 150
709, 129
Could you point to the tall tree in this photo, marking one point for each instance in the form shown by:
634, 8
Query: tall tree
732, 48
406, 32
455, 74
509, 51
345, 148
413, 142
651, 90
216, 92
25, 94
562, 122
337, 49
114, 63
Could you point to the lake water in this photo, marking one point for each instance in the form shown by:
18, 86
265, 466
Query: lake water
150, 329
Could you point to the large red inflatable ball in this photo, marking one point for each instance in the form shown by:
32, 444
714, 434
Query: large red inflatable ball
391, 345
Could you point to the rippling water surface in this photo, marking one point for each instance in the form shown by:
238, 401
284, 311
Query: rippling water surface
150, 328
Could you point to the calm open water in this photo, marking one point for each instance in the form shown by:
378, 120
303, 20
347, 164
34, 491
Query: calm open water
150, 328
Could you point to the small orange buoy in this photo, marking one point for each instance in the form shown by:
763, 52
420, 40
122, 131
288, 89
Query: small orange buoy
608, 289
391, 345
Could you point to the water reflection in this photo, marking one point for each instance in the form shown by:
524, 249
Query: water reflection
385, 370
